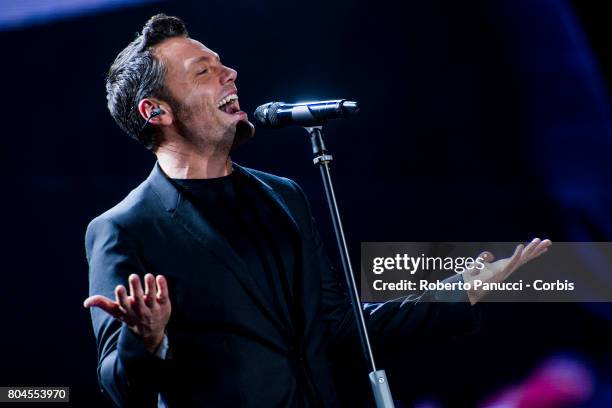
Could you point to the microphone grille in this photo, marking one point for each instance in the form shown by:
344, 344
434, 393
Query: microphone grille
266, 114
260, 114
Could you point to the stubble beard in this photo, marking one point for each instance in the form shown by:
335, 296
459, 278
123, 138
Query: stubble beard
210, 139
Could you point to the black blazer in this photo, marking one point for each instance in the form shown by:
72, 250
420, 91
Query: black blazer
228, 348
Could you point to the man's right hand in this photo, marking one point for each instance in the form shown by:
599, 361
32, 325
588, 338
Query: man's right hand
146, 314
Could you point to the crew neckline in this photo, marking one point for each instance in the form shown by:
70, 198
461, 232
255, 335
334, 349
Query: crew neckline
205, 181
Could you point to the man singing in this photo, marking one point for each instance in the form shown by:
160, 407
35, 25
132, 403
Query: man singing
209, 285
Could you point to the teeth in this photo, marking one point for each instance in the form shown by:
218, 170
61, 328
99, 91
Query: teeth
227, 99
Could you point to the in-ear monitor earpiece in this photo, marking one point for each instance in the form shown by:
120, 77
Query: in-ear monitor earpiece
155, 112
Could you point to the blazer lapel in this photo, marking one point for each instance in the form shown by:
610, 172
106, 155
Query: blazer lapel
280, 205
298, 315
189, 218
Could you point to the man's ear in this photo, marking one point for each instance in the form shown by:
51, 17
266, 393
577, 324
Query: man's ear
157, 112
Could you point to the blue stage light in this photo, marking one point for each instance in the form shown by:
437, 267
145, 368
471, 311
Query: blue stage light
20, 13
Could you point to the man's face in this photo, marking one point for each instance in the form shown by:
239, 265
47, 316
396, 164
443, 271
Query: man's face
206, 92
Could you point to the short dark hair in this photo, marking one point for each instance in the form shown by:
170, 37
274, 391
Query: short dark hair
137, 73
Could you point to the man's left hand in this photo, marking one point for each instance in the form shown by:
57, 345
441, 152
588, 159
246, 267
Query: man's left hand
498, 271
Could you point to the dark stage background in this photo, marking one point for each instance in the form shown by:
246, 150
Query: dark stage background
480, 121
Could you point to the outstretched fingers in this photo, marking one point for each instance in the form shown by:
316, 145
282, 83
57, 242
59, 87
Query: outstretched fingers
534, 249
131, 307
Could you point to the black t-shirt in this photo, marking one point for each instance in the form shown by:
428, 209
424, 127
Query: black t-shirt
241, 212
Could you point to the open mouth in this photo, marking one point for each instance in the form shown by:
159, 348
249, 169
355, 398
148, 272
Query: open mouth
229, 104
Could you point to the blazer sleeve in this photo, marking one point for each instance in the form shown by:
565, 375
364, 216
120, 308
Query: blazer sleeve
392, 322
127, 373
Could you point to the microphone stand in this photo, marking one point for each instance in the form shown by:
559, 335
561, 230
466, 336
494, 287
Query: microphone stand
378, 378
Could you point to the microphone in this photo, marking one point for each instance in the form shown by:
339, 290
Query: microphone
276, 115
